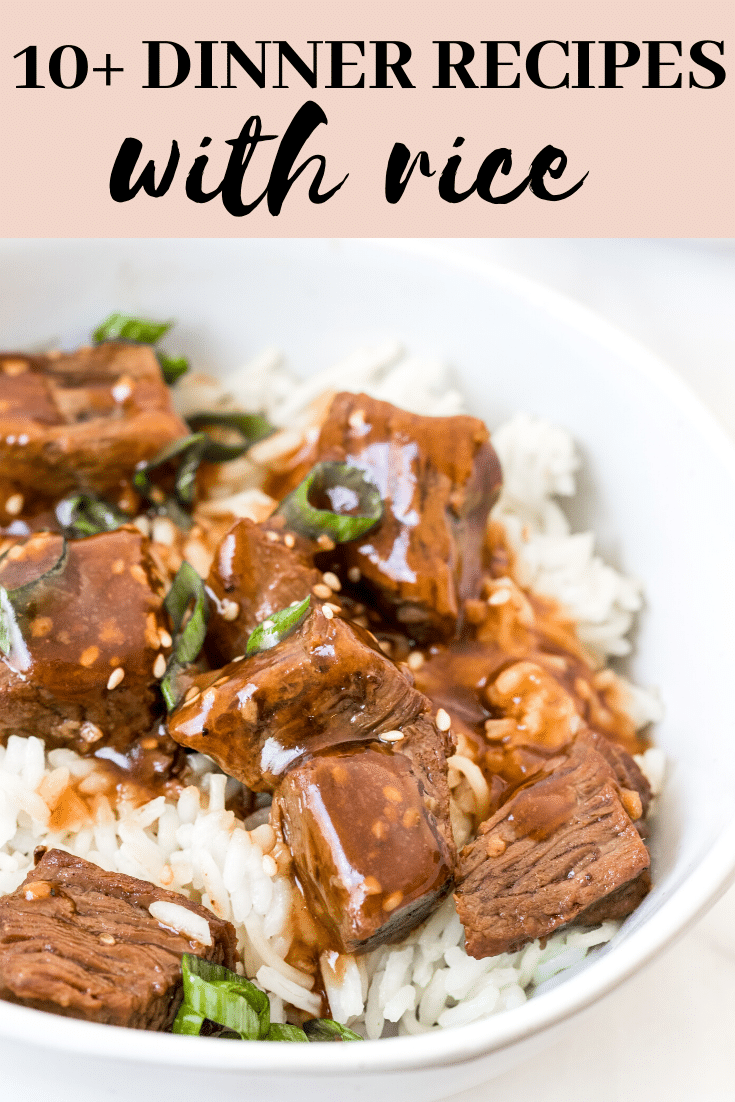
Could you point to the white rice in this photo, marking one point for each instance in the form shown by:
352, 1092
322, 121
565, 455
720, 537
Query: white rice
194, 846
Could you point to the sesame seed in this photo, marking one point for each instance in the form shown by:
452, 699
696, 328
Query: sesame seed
117, 567
326, 542
159, 666
495, 845
391, 736
270, 868
356, 419
322, 591
327, 610
289, 539
137, 572
415, 660
90, 732
631, 801
249, 711
386, 646
239, 658
41, 626
230, 610
443, 720
354, 574
272, 536
267, 624
335, 608
115, 678
15, 367
14, 504
164, 638
332, 581
499, 597
89, 656
191, 695
394, 900
107, 939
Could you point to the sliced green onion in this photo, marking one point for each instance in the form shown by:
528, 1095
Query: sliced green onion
14, 607
86, 515
324, 1029
172, 368
213, 992
355, 503
276, 627
123, 327
187, 1021
187, 590
8, 623
251, 427
189, 450
278, 1032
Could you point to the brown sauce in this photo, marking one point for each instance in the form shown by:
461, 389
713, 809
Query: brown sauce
517, 683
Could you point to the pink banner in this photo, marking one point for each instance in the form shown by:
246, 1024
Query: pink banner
379, 119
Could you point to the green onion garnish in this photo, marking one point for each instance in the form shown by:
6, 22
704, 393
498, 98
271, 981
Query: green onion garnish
276, 627
278, 1032
86, 515
324, 1029
334, 499
123, 327
8, 623
187, 591
189, 451
15, 605
213, 993
172, 368
251, 427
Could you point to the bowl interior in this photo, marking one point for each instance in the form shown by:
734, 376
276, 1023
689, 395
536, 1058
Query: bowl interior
657, 485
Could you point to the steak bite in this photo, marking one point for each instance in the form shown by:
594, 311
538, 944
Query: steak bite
93, 631
438, 478
79, 941
371, 856
563, 847
254, 574
81, 420
324, 685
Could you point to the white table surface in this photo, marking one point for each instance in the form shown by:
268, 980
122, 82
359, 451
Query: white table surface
669, 1033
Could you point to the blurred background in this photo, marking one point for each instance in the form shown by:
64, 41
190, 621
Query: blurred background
667, 1034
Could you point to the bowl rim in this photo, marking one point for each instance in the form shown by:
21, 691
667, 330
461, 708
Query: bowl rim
688, 902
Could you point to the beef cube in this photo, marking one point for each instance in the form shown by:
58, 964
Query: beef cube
368, 850
325, 684
562, 844
81, 420
631, 780
93, 629
254, 574
438, 478
79, 941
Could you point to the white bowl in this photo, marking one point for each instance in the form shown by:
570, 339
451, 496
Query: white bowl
658, 488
